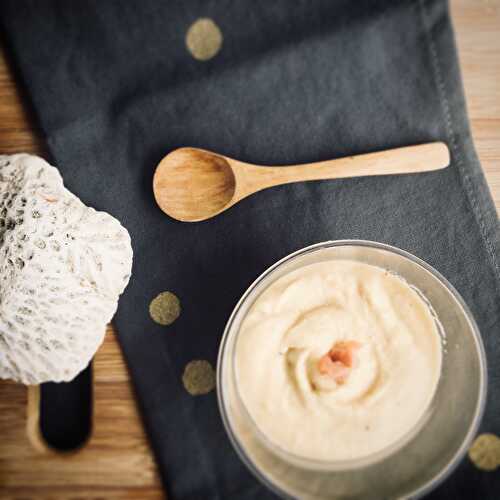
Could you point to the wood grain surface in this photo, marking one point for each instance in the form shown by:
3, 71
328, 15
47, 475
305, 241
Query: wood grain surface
117, 463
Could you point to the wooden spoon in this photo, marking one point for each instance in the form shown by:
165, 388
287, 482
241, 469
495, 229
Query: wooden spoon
193, 184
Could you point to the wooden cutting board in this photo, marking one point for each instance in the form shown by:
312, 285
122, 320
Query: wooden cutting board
116, 463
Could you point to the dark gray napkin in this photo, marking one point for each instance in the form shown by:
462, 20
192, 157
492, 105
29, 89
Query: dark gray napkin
115, 89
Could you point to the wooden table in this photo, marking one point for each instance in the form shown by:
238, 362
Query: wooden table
117, 462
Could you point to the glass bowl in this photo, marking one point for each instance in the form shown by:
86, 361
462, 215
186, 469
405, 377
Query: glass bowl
416, 463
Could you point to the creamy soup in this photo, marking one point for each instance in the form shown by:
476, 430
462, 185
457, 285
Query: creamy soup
338, 360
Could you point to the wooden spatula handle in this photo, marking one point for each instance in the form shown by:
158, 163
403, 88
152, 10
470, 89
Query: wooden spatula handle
407, 160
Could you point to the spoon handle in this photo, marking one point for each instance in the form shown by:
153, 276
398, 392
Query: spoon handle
406, 160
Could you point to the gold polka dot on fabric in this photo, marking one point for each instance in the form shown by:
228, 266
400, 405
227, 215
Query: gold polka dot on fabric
204, 39
485, 452
165, 308
198, 377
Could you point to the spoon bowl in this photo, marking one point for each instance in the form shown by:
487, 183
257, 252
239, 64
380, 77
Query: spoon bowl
193, 184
